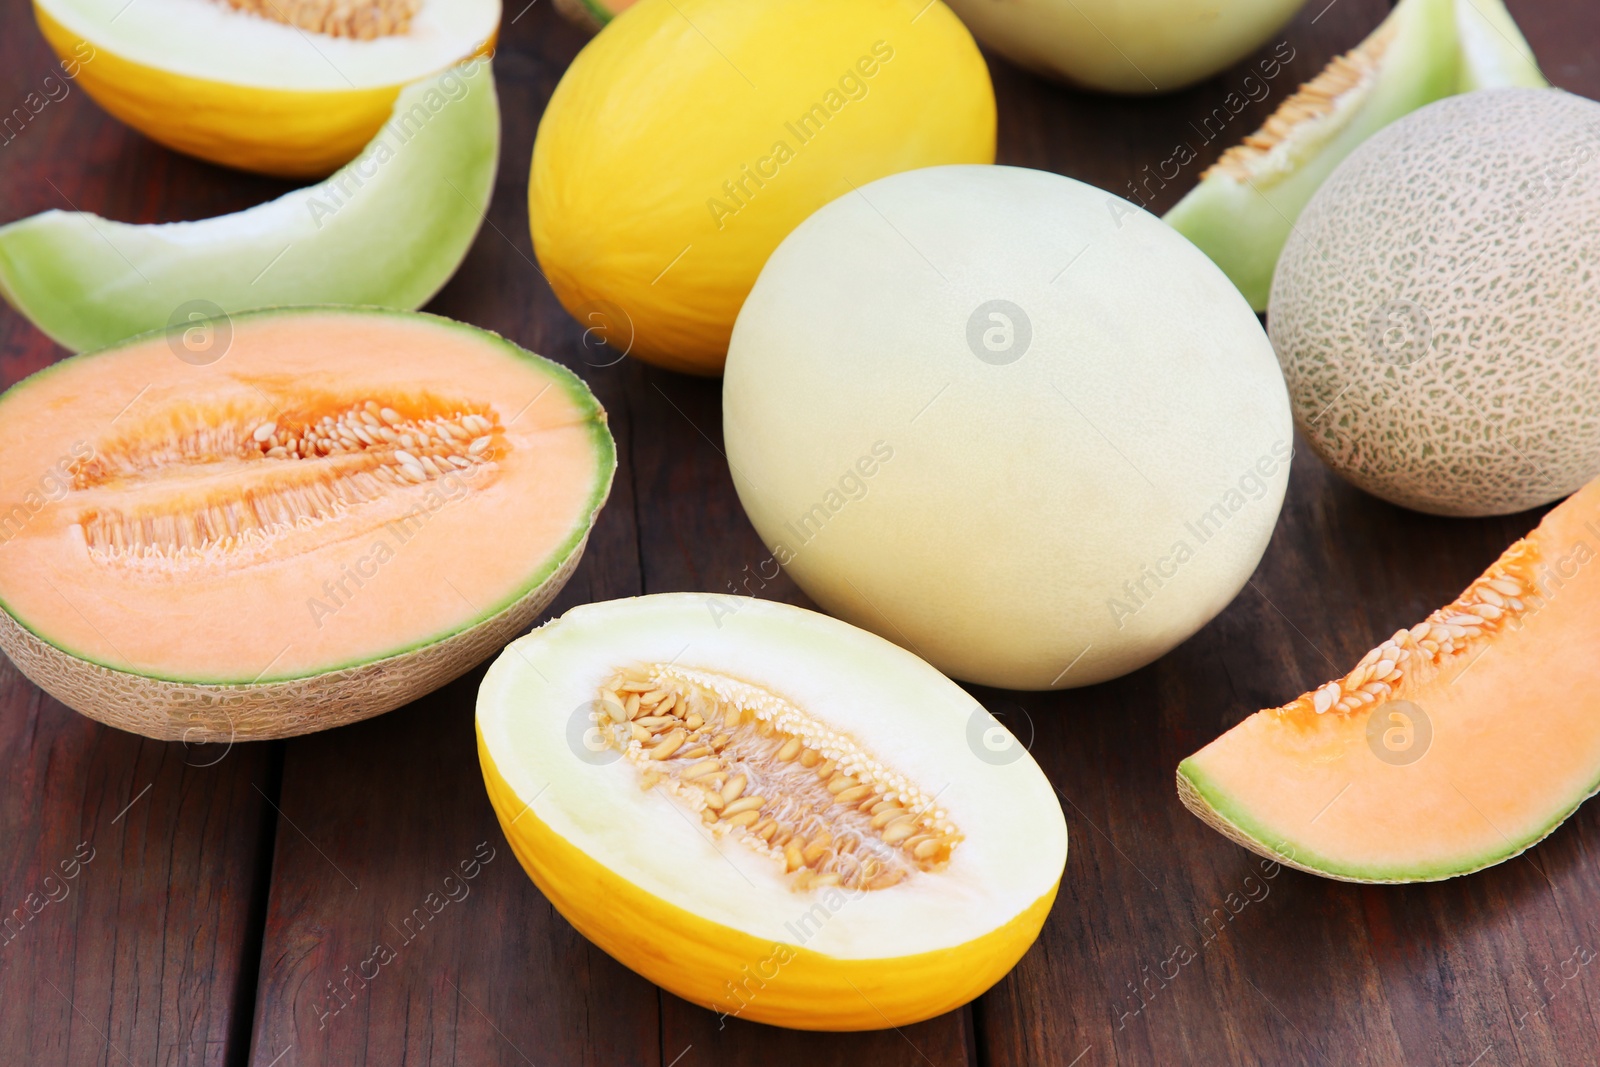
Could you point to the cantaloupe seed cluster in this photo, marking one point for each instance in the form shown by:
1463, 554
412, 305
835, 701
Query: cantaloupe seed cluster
361, 452
1318, 97
1496, 600
752, 764
364, 20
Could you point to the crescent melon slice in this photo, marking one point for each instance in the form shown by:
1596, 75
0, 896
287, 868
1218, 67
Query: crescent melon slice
388, 229
1246, 204
1455, 744
321, 516
767, 811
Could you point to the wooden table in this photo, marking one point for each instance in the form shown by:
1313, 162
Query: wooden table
227, 893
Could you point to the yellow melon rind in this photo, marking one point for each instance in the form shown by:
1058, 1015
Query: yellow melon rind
286, 133
735, 974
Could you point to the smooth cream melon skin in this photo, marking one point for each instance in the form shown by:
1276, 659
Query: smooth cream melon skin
1126, 46
1045, 499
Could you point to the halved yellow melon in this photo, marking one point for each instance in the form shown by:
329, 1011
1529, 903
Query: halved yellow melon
767, 811
286, 520
1453, 745
287, 87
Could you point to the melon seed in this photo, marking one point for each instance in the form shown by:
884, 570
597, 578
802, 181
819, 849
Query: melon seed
325, 461
756, 766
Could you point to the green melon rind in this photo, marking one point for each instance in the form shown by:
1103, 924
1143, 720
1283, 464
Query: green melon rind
1212, 804
586, 11
388, 229
570, 383
1494, 54
1242, 226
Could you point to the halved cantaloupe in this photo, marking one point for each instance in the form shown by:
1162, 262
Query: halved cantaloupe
90, 282
334, 512
286, 87
1454, 745
767, 811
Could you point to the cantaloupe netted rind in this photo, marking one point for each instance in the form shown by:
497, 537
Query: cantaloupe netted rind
398, 493
1246, 203
1434, 311
89, 282
1454, 745
767, 811
288, 88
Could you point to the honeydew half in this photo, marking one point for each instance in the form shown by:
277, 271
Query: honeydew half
829, 834
286, 87
389, 229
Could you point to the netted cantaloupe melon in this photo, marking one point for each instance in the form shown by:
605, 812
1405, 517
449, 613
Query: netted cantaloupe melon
1455, 744
767, 811
1437, 309
288, 520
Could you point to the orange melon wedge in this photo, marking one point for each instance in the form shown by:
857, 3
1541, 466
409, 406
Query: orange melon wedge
1456, 744
286, 520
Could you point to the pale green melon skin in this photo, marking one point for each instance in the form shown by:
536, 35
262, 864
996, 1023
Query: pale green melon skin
388, 229
1217, 809
1020, 498
1440, 47
1242, 225
1471, 227
1125, 46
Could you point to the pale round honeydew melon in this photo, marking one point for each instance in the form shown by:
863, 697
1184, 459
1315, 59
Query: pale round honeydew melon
1008, 421
1435, 309
1125, 46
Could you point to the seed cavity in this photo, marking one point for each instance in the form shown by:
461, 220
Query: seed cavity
363, 20
201, 483
1498, 599
754, 766
1342, 84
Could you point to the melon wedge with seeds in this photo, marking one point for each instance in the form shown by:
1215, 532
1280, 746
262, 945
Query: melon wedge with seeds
1455, 744
1246, 203
389, 229
323, 515
767, 811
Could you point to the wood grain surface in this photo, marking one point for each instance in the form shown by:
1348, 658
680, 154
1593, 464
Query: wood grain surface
221, 901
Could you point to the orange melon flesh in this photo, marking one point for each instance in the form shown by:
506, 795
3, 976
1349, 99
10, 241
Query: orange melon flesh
1364, 793
143, 528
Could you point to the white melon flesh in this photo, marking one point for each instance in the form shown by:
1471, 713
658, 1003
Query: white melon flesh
212, 41
535, 708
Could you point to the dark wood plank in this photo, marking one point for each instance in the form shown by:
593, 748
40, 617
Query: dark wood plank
154, 949
1168, 943
132, 873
